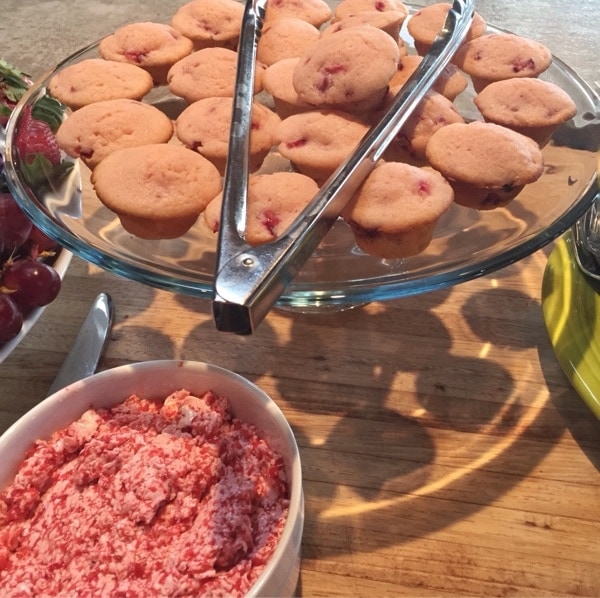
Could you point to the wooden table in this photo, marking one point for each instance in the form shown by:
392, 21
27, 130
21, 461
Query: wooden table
444, 452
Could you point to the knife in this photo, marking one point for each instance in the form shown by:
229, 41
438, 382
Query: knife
91, 340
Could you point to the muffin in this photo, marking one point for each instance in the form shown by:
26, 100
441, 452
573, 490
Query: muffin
450, 83
96, 130
425, 25
204, 127
433, 112
319, 141
206, 73
158, 190
486, 164
395, 211
152, 46
287, 37
210, 23
315, 12
347, 71
350, 7
278, 82
499, 56
532, 107
389, 21
274, 201
96, 80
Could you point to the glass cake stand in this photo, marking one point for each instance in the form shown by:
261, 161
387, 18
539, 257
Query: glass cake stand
467, 243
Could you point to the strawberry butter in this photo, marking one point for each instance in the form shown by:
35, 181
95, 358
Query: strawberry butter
148, 498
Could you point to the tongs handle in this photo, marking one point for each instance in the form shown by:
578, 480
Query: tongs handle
249, 280
235, 187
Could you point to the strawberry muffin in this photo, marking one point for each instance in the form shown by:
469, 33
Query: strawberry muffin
529, 106
278, 82
96, 130
450, 83
95, 80
389, 21
486, 164
499, 56
210, 23
206, 73
347, 71
287, 37
274, 201
350, 7
158, 190
315, 12
204, 127
152, 46
318, 142
395, 211
425, 25
432, 113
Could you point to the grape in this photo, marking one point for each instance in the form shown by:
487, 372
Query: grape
31, 283
40, 241
11, 318
15, 227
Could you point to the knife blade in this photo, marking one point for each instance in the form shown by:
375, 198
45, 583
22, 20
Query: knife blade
91, 340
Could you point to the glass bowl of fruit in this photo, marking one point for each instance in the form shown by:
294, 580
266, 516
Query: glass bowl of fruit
31, 264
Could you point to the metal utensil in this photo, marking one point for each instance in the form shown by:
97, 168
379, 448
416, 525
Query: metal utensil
249, 280
586, 240
586, 231
90, 342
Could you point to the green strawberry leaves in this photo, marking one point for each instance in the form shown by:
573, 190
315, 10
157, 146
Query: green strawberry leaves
48, 110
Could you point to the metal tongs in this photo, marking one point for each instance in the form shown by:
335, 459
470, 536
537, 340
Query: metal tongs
249, 280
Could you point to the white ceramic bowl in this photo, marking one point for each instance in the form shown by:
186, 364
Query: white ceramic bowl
156, 380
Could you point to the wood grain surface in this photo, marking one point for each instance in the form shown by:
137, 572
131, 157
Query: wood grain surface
444, 452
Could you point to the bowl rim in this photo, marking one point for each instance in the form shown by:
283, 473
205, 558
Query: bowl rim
40, 421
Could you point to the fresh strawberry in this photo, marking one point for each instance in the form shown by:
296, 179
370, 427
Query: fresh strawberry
35, 144
35, 138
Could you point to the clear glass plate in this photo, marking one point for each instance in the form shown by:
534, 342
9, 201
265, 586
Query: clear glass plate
467, 243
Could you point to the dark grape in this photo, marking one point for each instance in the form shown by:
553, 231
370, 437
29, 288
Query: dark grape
39, 241
15, 226
11, 319
31, 283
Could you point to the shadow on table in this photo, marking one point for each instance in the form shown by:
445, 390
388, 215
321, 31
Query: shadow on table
376, 429
576, 417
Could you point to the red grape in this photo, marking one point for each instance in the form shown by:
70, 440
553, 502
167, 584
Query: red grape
11, 318
31, 283
15, 227
41, 241
27, 279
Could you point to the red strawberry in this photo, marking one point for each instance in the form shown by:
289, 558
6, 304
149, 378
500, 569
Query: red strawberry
35, 138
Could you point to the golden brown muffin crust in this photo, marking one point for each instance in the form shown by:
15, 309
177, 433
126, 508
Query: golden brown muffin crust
485, 154
96, 130
96, 80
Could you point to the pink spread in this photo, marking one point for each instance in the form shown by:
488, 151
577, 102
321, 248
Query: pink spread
172, 498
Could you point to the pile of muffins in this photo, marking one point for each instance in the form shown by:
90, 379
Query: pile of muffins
324, 77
